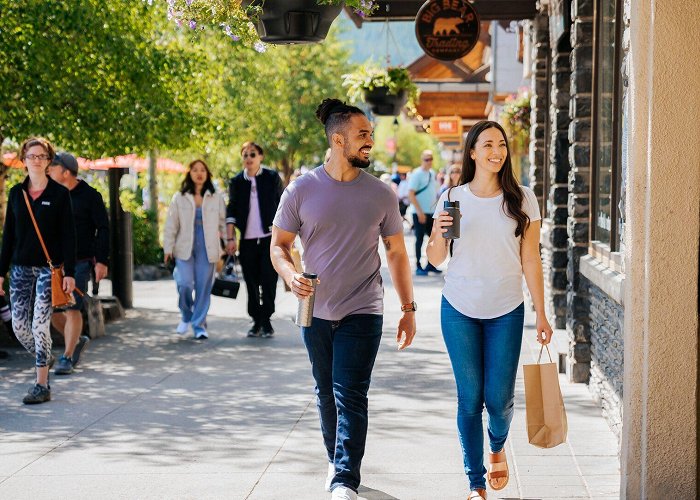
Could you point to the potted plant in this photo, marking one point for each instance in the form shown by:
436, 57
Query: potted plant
272, 21
386, 90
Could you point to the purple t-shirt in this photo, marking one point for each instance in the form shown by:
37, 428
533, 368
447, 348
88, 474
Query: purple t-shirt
339, 224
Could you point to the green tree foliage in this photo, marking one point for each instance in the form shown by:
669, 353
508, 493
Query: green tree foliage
98, 78
409, 143
270, 98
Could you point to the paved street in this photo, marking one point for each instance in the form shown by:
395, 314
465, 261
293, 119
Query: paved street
151, 414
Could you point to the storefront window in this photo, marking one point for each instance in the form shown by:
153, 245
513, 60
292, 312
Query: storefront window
606, 150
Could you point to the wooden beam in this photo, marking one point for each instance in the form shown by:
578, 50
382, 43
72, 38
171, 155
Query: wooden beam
489, 10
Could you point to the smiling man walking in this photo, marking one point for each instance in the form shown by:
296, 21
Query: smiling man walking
340, 212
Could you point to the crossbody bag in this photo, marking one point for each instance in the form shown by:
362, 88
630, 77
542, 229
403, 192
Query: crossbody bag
59, 298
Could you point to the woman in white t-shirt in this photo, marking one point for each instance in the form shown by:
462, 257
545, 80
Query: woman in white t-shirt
482, 304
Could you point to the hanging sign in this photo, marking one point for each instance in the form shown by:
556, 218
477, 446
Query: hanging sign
446, 126
447, 29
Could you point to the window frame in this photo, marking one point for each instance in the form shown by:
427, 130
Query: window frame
601, 250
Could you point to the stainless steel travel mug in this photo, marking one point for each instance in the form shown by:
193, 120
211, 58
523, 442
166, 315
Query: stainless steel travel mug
452, 208
305, 310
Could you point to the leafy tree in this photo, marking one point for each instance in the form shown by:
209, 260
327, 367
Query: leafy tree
409, 143
98, 78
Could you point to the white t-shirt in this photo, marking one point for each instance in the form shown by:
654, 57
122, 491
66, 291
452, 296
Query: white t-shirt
484, 275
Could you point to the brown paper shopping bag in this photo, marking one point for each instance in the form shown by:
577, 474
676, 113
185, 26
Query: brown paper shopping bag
296, 258
544, 407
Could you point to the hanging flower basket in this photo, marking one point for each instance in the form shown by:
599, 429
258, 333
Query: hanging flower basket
293, 21
272, 21
387, 91
383, 103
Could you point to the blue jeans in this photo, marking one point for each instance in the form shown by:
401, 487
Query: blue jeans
196, 275
484, 355
342, 355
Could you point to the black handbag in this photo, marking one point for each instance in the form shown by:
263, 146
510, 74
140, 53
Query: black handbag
227, 282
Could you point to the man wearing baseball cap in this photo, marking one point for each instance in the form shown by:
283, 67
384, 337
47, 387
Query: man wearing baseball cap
92, 237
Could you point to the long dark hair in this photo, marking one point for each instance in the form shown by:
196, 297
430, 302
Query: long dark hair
512, 193
187, 185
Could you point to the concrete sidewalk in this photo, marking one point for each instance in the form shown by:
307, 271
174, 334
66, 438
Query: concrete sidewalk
151, 414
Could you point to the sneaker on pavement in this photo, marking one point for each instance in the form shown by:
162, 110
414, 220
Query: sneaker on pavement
64, 366
182, 327
432, 269
421, 272
201, 335
37, 394
330, 475
343, 493
79, 348
267, 330
255, 330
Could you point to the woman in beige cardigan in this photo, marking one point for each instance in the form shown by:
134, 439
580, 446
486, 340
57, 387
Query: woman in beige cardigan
196, 222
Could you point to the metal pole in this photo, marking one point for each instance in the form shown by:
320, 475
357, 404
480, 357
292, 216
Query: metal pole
121, 241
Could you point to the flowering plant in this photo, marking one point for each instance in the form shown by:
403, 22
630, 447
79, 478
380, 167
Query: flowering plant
515, 119
237, 18
368, 77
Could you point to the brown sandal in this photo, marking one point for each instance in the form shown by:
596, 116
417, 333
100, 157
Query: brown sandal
477, 494
496, 476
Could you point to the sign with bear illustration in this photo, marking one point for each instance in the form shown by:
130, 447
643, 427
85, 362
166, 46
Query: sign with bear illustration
447, 29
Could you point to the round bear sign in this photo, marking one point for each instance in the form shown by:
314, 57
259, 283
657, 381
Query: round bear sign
447, 29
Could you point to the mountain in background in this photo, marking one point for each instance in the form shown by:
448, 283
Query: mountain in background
370, 42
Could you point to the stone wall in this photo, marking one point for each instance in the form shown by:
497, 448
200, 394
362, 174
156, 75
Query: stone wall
577, 319
607, 355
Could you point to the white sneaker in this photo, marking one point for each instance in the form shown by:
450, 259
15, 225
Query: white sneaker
343, 493
182, 327
330, 476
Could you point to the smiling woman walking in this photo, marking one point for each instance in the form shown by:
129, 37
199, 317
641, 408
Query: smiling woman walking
30, 279
482, 304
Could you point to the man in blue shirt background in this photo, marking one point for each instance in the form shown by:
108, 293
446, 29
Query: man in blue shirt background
423, 190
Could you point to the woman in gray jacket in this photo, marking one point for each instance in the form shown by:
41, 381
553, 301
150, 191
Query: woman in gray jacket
195, 224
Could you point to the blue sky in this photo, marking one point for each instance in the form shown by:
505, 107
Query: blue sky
371, 41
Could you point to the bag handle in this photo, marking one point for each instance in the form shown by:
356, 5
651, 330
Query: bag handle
36, 228
548, 353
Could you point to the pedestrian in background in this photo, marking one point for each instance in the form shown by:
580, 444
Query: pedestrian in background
422, 192
253, 197
92, 254
30, 279
482, 302
340, 212
193, 231
452, 179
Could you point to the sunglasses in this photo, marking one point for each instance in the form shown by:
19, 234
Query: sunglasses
455, 172
427, 159
250, 155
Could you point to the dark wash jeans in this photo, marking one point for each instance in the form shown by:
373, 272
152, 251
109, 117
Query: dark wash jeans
484, 355
342, 355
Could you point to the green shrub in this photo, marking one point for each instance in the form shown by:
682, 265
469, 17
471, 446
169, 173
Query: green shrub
147, 249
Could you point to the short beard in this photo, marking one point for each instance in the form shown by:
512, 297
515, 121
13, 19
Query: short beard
356, 161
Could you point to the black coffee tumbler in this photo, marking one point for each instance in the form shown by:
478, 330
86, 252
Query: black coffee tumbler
452, 208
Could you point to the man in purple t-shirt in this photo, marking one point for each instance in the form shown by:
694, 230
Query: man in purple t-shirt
340, 212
